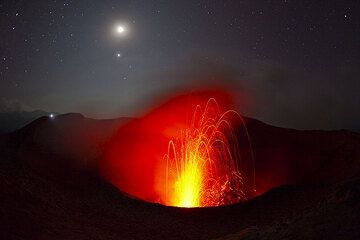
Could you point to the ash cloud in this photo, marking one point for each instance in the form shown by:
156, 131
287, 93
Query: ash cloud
13, 105
274, 93
285, 98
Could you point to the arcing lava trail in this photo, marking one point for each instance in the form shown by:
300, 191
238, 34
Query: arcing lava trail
184, 153
203, 164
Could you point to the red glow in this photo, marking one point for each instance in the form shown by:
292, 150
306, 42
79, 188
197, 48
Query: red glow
140, 161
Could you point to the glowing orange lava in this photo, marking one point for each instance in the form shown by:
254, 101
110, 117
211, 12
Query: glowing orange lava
184, 152
202, 164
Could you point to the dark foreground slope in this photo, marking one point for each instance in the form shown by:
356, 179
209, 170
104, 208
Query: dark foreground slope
49, 188
13, 120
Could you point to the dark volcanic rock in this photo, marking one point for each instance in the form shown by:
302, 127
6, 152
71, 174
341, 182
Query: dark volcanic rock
336, 216
49, 188
288, 156
11, 119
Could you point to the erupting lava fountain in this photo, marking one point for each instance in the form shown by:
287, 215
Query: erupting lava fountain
203, 162
187, 158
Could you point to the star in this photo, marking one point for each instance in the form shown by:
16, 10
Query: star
118, 55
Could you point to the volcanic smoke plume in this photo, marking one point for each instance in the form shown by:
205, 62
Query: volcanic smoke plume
184, 153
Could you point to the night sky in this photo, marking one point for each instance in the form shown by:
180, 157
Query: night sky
295, 63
